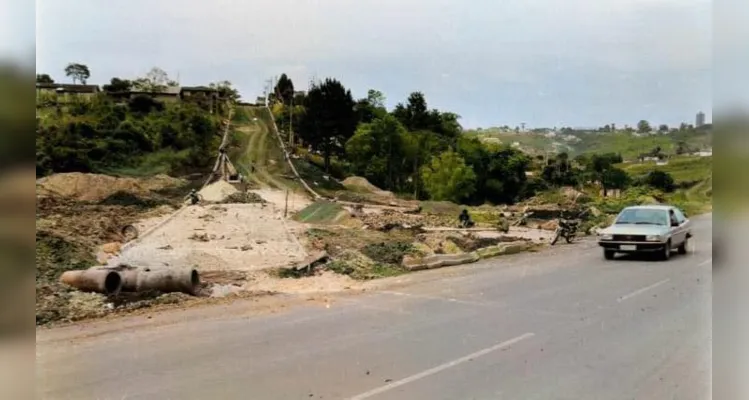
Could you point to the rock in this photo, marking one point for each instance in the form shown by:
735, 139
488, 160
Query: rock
111, 248
260, 242
246, 247
549, 225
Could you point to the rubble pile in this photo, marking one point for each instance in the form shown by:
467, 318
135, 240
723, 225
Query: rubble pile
391, 219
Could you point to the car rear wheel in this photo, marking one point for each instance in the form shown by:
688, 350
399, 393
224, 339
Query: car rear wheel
609, 254
684, 248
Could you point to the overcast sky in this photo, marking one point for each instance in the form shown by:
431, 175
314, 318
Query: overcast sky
494, 62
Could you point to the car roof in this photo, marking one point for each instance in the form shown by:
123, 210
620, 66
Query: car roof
663, 207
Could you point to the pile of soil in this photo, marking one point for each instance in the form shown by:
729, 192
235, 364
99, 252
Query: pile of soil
218, 191
391, 219
95, 187
359, 184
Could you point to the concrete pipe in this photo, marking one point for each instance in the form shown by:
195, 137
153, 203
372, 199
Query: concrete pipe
91, 280
128, 274
185, 280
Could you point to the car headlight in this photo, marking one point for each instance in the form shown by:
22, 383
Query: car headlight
653, 238
606, 236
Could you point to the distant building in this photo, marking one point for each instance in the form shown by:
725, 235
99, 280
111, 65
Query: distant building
64, 92
699, 119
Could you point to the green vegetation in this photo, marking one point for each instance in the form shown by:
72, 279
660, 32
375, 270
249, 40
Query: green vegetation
627, 143
686, 170
122, 132
319, 212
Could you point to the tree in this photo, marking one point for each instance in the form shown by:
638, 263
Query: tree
284, 89
559, 171
614, 178
117, 85
44, 78
155, 81
682, 148
447, 177
414, 115
663, 128
377, 152
225, 90
329, 119
376, 98
78, 72
643, 126
507, 179
660, 180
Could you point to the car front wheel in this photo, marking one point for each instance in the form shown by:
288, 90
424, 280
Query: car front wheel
665, 252
609, 254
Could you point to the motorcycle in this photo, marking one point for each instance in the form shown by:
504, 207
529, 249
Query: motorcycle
567, 229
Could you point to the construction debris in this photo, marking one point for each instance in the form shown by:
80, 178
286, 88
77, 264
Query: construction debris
217, 192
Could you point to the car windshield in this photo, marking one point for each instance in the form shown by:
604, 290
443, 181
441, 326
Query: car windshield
642, 216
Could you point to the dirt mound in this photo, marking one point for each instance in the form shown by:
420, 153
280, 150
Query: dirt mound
390, 219
96, 187
359, 184
218, 191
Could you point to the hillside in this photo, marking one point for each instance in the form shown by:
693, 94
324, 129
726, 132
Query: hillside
141, 136
629, 145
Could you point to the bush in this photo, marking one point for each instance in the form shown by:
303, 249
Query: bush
388, 252
660, 180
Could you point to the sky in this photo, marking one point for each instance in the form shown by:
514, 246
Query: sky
545, 63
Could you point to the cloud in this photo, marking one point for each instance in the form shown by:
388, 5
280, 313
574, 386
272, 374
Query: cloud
498, 55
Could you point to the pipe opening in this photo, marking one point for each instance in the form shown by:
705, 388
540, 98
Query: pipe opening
112, 282
194, 278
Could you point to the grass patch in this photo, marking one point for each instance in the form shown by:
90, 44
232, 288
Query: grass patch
319, 212
388, 252
686, 171
373, 271
161, 162
55, 255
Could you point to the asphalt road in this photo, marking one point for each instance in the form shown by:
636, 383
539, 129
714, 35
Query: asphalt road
558, 324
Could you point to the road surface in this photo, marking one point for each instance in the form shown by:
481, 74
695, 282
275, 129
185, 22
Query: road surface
558, 324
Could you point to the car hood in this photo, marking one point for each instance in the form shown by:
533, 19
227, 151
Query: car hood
626, 229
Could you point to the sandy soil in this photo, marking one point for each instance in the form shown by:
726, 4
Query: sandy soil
242, 237
277, 198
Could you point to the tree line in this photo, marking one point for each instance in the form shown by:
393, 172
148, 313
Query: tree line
105, 133
420, 151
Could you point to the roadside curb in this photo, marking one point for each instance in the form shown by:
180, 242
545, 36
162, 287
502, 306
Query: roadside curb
449, 260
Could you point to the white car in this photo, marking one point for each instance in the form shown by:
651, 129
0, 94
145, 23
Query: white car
658, 229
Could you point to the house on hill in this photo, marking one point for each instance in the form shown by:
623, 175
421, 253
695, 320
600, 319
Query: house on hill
207, 97
170, 94
64, 92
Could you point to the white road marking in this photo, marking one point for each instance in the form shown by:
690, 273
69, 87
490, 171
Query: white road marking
705, 262
440, 368
639, 291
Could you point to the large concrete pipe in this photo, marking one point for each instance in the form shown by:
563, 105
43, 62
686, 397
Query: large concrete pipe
92, 280
185, 280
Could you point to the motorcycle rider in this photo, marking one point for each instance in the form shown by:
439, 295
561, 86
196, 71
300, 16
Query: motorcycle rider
193, 196
465, 219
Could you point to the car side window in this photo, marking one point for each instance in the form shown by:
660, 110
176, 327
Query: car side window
679, 216
672, 216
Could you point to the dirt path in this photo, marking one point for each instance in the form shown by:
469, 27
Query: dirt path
259, 152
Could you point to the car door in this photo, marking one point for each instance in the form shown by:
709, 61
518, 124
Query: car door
679, 233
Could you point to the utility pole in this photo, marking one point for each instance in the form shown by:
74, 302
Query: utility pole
291, 124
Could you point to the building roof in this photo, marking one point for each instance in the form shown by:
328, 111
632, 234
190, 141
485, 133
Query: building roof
68, 87
197, 89
168, 91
